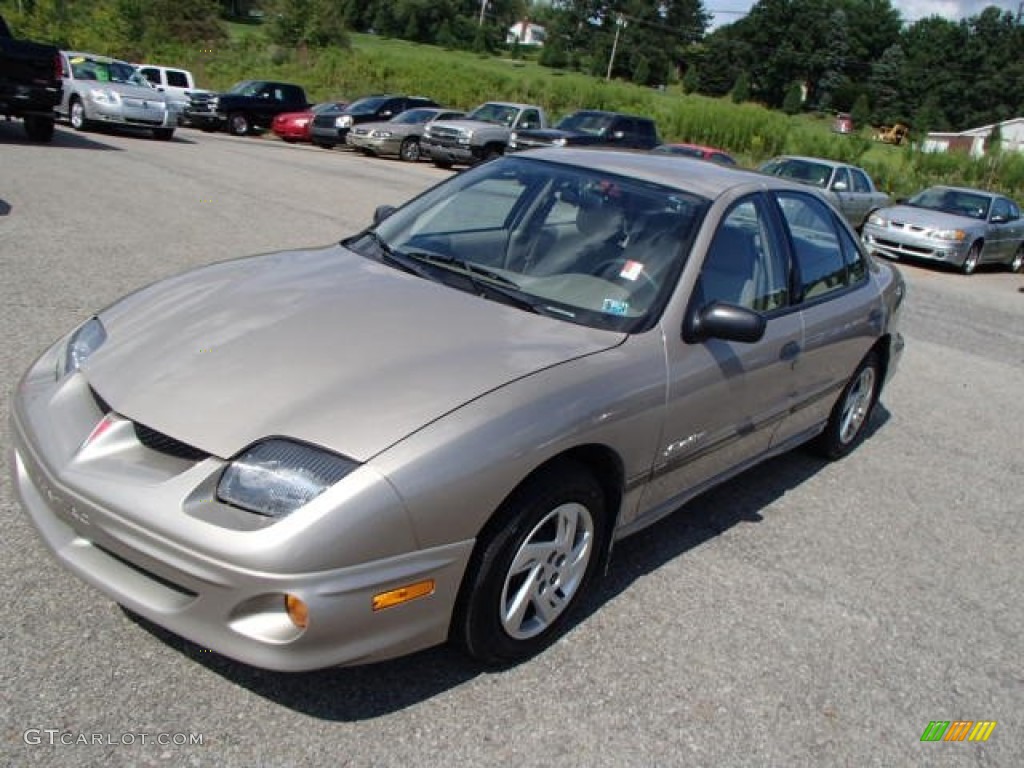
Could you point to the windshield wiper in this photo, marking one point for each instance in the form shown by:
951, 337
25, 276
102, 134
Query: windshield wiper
396, 259
494, 285
469, 268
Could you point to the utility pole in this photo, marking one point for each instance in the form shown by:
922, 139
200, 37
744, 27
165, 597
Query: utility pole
620, 24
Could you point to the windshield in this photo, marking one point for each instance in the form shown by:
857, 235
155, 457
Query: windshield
494, 113
328, 106
805, 171
590, 123
584, 246
366, 106
105, 71
414, 116
955, 201
245, 88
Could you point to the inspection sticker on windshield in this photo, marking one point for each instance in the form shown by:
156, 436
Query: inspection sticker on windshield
615, 307
631, 270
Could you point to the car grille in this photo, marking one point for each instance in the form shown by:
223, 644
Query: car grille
360, 132
157, 441
523, 142
903, 247
324, 121
906, 227
444, 135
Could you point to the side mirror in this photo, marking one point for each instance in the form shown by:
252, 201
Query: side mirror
618, 135
840, 186
999, 218
387, 113
728, 322
382, 212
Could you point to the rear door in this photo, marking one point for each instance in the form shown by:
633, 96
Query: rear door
840, 310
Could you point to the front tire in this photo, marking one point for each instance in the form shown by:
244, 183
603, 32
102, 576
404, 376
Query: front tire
971, 260
531, 565
76, 115
163, 134
39, 128
410, 150
238, 124
851, 414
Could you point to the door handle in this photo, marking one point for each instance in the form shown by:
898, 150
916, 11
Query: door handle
790, 351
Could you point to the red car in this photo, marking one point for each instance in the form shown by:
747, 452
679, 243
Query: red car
697, 151
294, 126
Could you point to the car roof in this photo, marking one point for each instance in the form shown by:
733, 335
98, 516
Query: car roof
818, 160
971, 190
94, 57
509, 104
683, 173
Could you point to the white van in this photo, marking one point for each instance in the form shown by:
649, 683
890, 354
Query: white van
174, 82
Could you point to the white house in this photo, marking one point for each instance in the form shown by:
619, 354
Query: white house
975, 141
526, 33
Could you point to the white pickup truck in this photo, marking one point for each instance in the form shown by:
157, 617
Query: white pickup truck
480, 135
175, 83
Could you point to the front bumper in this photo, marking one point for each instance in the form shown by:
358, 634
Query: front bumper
902, 243
449, 152
146, 529
328, 136
204, 120
132, 112
389, 146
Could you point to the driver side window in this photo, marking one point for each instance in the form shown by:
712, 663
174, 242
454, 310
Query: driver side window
743, 266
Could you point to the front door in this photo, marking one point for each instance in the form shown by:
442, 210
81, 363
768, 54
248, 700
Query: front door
725, 398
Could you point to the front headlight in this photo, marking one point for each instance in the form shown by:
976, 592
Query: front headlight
956, 235
104, 96
559, 142
878, 220
276, 477
380, 135
83, 342
343, 122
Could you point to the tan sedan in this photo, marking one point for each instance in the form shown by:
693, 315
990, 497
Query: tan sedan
435, 429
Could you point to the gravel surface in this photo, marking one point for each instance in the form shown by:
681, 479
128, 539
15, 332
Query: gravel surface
804, 614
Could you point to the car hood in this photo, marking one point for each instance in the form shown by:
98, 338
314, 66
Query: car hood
929, 219
396, 129
127, 89
468, 124
324, 346
550, 134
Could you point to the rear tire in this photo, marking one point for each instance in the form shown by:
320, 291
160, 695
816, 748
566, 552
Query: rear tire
39, 128
532, 563
1018, 260
852, 412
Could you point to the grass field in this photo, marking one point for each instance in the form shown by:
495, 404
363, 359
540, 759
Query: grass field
462, 79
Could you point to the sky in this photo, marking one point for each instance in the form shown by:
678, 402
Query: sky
911, 10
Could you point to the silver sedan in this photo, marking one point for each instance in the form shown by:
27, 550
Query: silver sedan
400, 135
435, 429
961, 227
847, 187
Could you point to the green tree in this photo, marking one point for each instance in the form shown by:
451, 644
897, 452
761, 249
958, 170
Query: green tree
741, 89
793, 102
861, 112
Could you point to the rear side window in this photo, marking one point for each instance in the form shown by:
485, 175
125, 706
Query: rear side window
177, 78
151, 74
820, 261
860, 181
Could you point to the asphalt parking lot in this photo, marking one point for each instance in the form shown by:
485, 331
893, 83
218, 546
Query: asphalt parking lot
804, 614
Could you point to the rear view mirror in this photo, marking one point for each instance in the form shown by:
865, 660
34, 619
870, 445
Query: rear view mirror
382, 212
728, 322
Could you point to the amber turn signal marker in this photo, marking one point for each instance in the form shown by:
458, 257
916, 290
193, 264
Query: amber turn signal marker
297, 610
404, 594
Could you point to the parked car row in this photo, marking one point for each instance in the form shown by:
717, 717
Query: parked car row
961, 227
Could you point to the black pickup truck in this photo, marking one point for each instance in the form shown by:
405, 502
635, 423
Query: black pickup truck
591, 128
247, 106
29, 83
